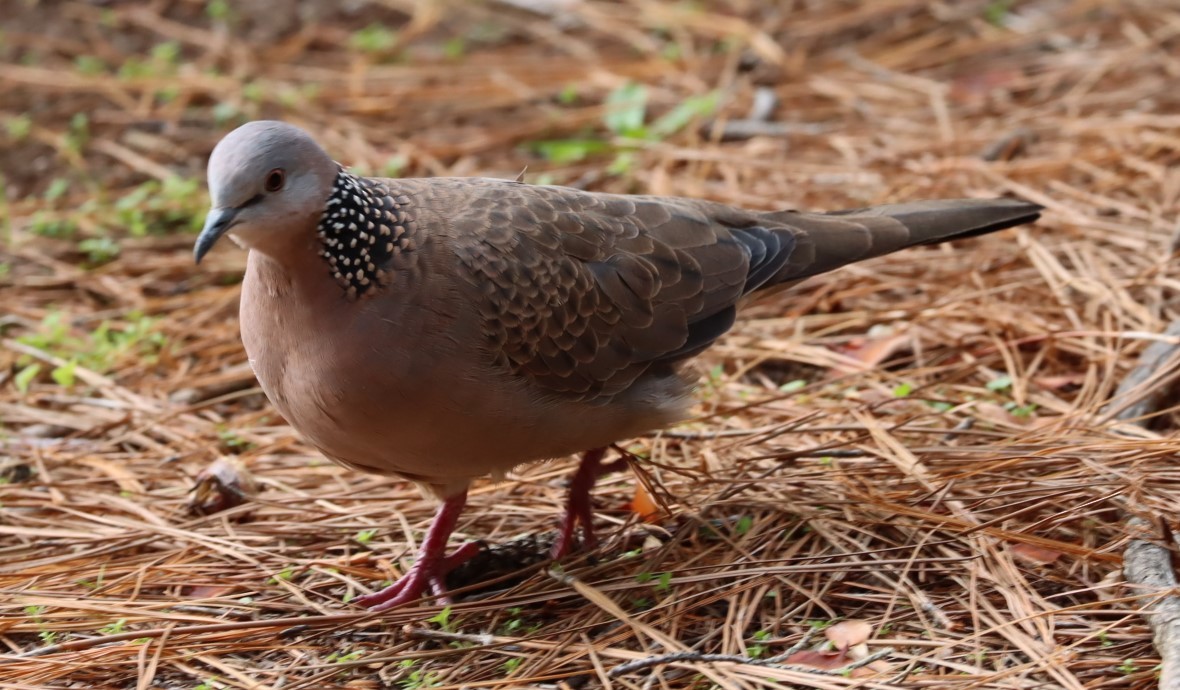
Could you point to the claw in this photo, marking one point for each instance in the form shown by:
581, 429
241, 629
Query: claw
428, 574
578, 510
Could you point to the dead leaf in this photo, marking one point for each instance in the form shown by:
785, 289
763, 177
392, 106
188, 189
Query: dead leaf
976, 88
222, 485
871, 353
1037, 555
827, 661
643, 505
846, 634
997, 414
1055, 383
209, 591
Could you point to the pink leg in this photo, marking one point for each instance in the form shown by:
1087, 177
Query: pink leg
430, 569
577, 507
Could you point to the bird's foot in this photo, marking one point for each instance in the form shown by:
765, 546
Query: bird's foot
425, 575
578, 506
430, 569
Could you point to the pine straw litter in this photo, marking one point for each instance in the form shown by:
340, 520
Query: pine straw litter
915, 472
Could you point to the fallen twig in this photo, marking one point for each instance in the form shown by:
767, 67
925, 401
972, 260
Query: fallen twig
1146, 563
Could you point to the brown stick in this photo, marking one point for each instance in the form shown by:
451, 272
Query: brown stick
1147, 563
1146, 389
1148, 566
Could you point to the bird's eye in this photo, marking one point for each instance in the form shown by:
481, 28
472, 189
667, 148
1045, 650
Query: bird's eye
275, 179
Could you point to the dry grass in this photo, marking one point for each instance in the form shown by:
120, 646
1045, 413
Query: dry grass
946, 473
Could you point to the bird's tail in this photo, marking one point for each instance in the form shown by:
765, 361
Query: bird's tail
830, 240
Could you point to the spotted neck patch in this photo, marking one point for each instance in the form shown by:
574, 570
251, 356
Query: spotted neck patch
362, 229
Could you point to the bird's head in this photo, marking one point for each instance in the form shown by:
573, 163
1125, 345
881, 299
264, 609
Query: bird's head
267, 181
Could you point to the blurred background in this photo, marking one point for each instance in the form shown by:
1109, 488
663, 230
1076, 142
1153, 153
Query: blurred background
934, 429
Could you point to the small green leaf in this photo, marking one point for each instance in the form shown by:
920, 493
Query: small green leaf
568, 95
19, 126
99, 250
218, 10
679, 117
134, 68
224, 112
562, 151
167, 52
167, 94
996, 11
64, 375
455, 48
744, 524
394, 166
512, 664
79, 133
46, 224
792, 386
626, 107
1020, 410
25, 376
374, 38
903, 389
253, 92
233, 441
366, 535
89, 65
623, 163
1000, 383
442, 618
57, 188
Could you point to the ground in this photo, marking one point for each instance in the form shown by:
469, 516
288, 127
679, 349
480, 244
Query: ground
919, 452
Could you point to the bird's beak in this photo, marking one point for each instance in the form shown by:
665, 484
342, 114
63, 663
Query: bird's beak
217, 223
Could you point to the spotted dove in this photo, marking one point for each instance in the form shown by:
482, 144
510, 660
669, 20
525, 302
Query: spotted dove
444, 329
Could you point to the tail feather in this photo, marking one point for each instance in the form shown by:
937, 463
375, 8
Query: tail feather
824, 242
932, 222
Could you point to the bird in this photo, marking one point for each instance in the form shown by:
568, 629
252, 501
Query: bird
445, 329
